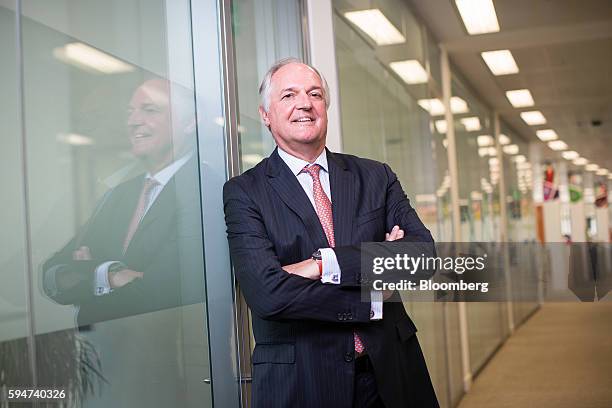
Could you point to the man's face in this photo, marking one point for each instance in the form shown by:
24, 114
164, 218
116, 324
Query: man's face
297, 116
150, 121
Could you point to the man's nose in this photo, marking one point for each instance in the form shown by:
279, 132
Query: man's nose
303, 101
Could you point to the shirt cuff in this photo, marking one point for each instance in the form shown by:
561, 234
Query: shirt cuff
102, 286
331, 269
376, 305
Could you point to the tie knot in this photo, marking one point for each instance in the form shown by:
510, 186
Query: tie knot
313, 170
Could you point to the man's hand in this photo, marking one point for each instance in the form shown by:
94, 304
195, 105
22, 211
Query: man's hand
123, 277
308, 269
395, 234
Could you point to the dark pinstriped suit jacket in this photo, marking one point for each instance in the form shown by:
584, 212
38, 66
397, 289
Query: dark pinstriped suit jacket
304, 329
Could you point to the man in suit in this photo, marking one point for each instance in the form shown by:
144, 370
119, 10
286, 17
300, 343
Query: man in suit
295, 222
141, 249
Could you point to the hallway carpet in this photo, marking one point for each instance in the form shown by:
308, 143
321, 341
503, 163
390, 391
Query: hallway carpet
561, 357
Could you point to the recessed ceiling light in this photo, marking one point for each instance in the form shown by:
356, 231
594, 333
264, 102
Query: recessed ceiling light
75, 139
546, 135
500, 62
504, 140
471, 124
511, 149
441, 126
557, 145
483, 151
378, 27
591, 167
484, 140
602, 172
435, 107
580, 161
533, 118
520, 98
411, 71
91, 59
570, 155
478, 16
520, 159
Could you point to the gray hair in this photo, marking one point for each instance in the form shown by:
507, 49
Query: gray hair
266, 83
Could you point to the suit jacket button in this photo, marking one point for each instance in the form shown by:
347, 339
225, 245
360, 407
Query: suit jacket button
349, 316
339, 316
348, 357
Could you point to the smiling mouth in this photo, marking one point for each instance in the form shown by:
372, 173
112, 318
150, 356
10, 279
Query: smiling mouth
140, 136
304, 120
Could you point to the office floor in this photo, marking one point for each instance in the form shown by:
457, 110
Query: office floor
561, 357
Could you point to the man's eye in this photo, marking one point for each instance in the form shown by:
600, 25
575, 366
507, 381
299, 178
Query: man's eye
317, 95
287, 96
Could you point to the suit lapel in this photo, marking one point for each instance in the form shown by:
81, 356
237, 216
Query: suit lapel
292, 194
342, 185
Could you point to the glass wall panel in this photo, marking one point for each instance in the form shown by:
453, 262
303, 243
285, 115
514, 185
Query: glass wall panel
265, 31
113, 180
478, 167
383, 118
14, 359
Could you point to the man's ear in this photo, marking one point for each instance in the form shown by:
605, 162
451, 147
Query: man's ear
264, 116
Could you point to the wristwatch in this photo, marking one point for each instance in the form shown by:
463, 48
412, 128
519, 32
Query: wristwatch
316, 256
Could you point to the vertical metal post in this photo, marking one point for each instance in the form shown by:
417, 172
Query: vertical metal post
503, 209
456, 216
29, 279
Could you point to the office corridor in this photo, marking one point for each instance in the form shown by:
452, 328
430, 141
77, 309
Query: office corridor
559, 358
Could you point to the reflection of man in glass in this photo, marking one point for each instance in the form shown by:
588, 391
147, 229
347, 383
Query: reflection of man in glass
141, 249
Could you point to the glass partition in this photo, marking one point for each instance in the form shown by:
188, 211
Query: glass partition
114, 176
15, 362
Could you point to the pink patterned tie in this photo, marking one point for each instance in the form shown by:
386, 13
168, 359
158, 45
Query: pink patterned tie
145, 196
324, 211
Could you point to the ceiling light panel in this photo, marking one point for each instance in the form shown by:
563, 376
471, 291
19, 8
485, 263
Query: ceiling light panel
520, 98
411, 71
378, 27
511, 149
591, 167
471, 124
570, 155
557, 145
533, 118
504, 140
91, 59
546, 135
500, 62
441, 126
484, 140
435, 107
580, 161
602, 172
478, 16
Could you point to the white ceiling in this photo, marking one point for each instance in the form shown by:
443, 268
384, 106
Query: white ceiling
563, 49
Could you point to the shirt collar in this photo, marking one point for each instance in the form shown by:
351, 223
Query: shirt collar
165, 174
296, 165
